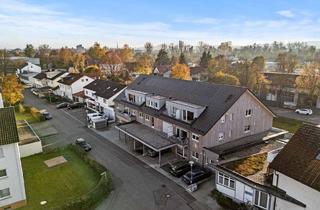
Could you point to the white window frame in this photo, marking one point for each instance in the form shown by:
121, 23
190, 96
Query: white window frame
141, 114
247, 128
7, 196
147, 117
226, 181
194, 155
223, 119
195, 137
220, 136
248, 112
259, 199
1, 177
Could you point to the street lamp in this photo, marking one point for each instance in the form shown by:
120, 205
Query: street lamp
191, 164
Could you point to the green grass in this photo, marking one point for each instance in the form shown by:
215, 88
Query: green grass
59, 184
26, 116
288, 124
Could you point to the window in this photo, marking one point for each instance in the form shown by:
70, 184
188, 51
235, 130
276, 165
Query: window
187, 115
140, 114
247, 128
231, 116
131, 98
195, 155
221, 136
3, 173
223, 119
82, 80
195, 137
134, 113
104, 101
226, 180
5, 193
156, 104
248, 112
1, 153
86, 92
87, 80
147, 117
261, 199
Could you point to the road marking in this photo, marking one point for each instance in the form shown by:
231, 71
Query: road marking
73, 117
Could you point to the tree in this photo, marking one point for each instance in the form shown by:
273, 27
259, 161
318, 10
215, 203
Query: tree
182, 59
97, 53
162, 58
224, 48
92, 69
144, 64
78, 61
174, 60
286, 62
309, 81
258, 64
148, 46
224, 78
218, 63
180, 71
126, 53
29, 51
4, 61
204, 60
65, 57
12, 90
44, 53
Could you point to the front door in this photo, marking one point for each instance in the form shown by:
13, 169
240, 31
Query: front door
152, 122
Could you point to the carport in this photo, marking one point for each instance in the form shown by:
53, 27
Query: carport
147, 137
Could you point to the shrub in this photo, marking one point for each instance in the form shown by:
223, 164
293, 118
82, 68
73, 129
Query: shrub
36, 114
226, 202
21, 108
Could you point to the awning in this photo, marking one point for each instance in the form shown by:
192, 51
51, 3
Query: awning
147, 136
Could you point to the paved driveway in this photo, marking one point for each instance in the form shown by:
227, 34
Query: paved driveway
288, 113
137, 186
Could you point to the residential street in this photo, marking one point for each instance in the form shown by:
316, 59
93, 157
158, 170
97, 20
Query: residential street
288, 113
137, 186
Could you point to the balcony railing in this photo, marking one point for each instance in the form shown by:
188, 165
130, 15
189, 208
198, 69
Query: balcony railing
124, 116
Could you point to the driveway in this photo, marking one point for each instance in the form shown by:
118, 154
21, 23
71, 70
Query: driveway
137, 186
288, 113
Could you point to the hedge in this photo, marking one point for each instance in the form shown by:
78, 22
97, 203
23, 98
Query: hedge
101, 190
226, 202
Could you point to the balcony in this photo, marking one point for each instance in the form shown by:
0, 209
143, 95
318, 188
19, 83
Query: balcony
123, 116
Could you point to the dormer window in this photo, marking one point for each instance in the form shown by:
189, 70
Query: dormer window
187, 115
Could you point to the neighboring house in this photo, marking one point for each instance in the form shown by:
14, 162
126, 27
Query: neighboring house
192, 118
73, 83
296, 170
35, 61
29, 67
40, 80
12, 189
54, 76
162, 70
197, 73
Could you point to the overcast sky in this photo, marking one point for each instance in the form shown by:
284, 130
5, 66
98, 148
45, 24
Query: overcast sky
71, 22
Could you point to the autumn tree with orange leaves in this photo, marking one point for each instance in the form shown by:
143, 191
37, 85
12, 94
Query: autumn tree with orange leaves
180, 71
11, 90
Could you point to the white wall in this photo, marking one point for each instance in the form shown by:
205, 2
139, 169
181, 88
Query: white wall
14, 180
297, 190
78, 85
30, 149
31, 68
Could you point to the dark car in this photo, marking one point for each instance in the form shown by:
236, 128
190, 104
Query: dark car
179, 168
62, 105
195, 176
75, 105
83, 144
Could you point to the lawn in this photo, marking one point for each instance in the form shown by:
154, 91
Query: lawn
58, 184
26, 116
288, 124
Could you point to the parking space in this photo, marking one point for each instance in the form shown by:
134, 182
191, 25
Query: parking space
288, 113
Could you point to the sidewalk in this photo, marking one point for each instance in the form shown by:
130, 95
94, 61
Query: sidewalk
204, 200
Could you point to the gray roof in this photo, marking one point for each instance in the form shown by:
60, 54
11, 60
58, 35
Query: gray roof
40, 76
105, 88
8, 126
216, 98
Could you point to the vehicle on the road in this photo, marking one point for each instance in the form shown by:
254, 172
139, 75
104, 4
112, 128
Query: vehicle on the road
46, 114
75, 105
195, 175
27, 86
35, 91
62, 105
83, 144
179, 167
304, 111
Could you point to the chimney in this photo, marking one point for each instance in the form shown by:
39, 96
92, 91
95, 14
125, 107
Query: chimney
1, 101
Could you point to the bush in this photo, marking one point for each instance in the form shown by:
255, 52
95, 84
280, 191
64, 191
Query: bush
226, 202
36, 114
21, 108
102, 190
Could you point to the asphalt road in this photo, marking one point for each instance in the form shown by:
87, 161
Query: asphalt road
137, 186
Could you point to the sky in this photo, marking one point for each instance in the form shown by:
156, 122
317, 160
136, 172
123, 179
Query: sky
117, 22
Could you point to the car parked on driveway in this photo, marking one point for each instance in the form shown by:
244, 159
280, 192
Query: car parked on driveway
35, 91
62, 105
179, 167
196, 175
304, 111
75, 105
46, 114
83, 144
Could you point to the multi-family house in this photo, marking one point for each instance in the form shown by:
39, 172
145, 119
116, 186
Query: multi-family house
296, 170
12, 190
71, 86
100, 95
162, 70
192, 118
52, 77
27, 71
40, 80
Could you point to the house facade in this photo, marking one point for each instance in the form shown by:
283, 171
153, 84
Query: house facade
29, 67
72, 84
100, 95
194, 116
12, 189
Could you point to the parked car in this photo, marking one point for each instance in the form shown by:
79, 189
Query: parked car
179, 168
35, 91
304, 111
75, 105
46, 114
83, 144
62, 105
195, 175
